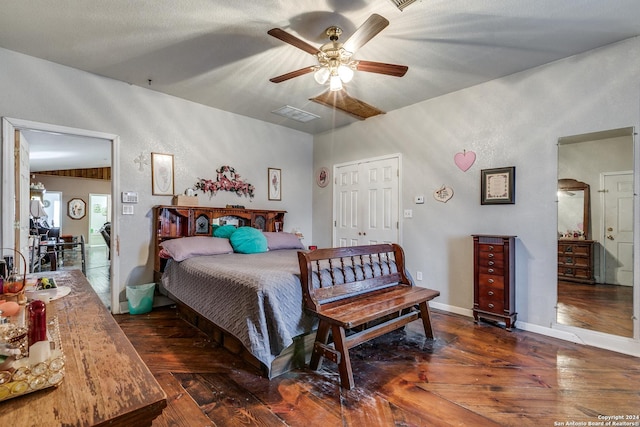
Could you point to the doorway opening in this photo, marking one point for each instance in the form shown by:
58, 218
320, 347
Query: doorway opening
17, 130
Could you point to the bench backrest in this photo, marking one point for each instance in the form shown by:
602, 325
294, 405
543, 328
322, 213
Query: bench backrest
330, 276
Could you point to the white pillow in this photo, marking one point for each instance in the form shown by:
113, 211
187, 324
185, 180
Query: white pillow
282, 240
187, 247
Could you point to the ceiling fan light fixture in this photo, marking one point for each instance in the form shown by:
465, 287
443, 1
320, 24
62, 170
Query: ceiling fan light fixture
335, 83
346, 73
322, 75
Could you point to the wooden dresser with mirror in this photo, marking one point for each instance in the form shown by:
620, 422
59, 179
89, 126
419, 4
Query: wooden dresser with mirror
575, 249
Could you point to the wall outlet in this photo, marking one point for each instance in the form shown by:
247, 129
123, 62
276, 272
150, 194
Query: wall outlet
418, 275
408, 213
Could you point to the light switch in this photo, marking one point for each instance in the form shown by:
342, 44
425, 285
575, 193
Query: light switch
127, 209
418, 200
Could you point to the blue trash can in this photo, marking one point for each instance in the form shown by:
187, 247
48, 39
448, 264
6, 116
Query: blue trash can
140, 298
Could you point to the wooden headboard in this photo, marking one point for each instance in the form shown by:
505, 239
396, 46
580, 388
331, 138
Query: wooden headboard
172, 222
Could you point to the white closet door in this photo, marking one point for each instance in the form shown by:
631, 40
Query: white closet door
367, 202
618, 222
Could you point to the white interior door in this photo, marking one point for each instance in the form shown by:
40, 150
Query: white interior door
618, 228
99, 214
366, 204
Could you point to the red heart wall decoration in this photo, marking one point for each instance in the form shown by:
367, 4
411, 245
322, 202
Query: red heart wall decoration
465, 159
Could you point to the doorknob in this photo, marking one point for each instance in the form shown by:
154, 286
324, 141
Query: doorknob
609, 229
610, 237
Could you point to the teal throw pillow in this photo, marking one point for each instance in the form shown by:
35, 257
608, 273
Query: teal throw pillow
248, 240
224, 231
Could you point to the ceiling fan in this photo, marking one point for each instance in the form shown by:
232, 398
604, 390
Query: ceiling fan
336, 66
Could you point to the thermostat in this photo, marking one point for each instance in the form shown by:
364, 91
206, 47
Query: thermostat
129, 197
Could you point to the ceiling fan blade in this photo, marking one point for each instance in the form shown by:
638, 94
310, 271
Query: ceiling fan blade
292, 74
382, 68
341, 100
293, 40
365, 32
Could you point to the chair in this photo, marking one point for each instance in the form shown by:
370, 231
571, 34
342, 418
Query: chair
105, 230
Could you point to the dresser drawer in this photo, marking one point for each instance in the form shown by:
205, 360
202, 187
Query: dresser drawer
566, 248
574, 261
574, 272
490, 280
485, 268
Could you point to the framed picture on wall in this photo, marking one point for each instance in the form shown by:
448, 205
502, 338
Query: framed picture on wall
322, 177
498, 186
76, 208
162, 174
275, 184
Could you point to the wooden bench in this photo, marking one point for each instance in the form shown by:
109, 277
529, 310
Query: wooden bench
359, 293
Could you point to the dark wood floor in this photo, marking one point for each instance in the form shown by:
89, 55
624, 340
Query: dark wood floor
478, 375
603, 308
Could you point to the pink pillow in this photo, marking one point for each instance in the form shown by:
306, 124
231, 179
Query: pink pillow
282, 241
187, 247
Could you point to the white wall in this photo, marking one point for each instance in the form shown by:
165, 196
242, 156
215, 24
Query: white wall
512, 121
201, 138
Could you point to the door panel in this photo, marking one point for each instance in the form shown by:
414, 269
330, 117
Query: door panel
22, 192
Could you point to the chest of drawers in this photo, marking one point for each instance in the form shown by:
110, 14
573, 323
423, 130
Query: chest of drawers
575, 261
494, 278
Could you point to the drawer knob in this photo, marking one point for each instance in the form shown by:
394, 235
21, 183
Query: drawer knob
490, 293
491, 270
490, 248
490, 305
491, 262
490, 280
490, 255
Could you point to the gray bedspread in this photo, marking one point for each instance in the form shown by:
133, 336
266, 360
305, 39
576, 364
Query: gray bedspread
256, 297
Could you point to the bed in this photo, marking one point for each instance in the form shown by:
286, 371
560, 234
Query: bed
249, 303
256, 298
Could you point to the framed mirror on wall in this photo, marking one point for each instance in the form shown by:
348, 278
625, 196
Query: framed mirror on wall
596, 232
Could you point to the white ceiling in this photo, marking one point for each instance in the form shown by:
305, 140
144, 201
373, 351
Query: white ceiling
218, 53
55, 151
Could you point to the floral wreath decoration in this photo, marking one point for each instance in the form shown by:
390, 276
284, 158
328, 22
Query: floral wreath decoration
227, 180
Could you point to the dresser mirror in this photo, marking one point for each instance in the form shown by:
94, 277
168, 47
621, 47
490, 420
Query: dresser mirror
595, 231
573, 209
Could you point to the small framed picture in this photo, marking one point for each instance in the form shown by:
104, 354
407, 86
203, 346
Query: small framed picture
322, 177
76, 208
498, 186
275, 184
161, 174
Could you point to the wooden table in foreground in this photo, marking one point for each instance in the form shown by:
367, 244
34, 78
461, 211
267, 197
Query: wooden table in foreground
105, 383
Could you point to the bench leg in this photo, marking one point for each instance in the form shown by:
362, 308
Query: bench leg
426, 319
344, 364
322, 337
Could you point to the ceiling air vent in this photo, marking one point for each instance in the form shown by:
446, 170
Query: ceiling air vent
295, 114
401, 4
